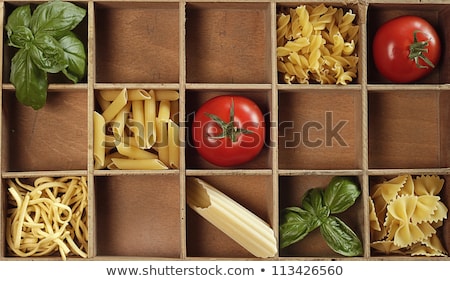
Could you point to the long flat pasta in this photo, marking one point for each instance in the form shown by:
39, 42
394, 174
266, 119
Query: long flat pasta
47, 217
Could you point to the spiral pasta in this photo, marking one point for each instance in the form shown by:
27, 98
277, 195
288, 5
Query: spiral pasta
317, 43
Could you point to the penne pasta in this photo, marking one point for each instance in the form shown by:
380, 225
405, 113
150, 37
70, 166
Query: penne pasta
173, 144
135, 152
138, 164
137, 123
150, 120
118, 123
169, 95
133, 94
114, 108
99, 139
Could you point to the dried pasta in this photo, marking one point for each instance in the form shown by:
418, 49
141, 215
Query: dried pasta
405, 215
137, 135
47, 217
317, 43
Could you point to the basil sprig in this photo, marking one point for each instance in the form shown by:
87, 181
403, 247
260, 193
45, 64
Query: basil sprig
46, 44
317, 208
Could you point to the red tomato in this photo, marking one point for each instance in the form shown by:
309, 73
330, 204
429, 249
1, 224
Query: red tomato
228, 130
406, 49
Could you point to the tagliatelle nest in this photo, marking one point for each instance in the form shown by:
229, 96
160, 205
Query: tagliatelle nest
405, 214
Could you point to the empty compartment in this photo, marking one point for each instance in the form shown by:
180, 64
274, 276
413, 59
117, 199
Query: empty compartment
195, 99
228, 43
437, 15
291, 191
406, 129
80, 31
319, 129
137, 42
54, 137
416, 214
138, 215
310, 41
253, 192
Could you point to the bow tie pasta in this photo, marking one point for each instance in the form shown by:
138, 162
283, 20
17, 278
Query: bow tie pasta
405, 213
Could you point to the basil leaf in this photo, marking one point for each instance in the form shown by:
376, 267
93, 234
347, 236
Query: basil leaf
340, 238
341, 193
17, 27
29, 80
48, 54
295, 224
55, 18
75, 56
313, 202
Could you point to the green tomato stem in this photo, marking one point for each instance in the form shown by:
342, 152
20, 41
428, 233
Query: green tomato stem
417, 50
229, 130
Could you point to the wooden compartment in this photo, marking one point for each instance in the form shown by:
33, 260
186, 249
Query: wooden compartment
54, 138
252, 191
291, 191
319, 129
228, 43
368, 129
137, 42
437, 15
196, 97
406, 129
138, 216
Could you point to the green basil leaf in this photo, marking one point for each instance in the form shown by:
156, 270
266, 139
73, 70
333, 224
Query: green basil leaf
341, 193
56, 18
48, 54
340, 238
17, 27
295, 224
313, 202
21, 37
29, 80
75, 56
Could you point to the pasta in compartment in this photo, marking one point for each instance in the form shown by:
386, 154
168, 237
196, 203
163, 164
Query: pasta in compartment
317, 43
143, 133
406, 213
47, 217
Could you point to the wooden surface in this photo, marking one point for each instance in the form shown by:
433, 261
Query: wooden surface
206, 49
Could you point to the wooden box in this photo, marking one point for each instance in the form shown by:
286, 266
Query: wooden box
207, 48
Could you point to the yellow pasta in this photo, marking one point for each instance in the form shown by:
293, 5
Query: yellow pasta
150, 120
99, 140
139, 130
133, 94
114, 108
408, 211
313, 33
47, 217
138, 164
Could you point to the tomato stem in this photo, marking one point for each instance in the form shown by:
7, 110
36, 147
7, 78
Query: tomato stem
417, 50
229, 130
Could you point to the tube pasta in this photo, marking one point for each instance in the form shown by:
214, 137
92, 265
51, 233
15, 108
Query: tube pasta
142, 129
99, 140
316, 34
47, 217
133, 94
240, 224
138, 164
114, 108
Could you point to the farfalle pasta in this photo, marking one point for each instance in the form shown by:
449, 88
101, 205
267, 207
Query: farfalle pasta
405, 213
317, 43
